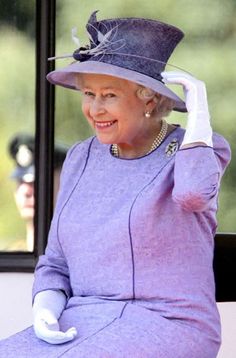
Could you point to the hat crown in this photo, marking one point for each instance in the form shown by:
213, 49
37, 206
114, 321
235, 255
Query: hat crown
138, 44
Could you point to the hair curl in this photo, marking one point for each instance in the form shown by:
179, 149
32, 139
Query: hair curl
164, 105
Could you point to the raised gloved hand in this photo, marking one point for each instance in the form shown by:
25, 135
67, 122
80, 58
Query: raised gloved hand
198, 128
47, 308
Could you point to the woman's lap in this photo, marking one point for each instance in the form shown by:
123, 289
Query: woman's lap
137, 333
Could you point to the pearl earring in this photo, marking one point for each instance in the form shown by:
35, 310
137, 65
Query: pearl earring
147, 114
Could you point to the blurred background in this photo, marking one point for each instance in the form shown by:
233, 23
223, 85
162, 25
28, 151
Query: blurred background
208, 51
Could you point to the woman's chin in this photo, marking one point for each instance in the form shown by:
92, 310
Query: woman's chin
104, 140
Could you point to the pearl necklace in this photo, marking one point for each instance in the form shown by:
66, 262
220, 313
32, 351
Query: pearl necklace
156, 143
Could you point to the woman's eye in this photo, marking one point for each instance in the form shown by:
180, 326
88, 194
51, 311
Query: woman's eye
110, 95
88, 93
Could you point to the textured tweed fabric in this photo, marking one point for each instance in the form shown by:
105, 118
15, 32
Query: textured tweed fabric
131, 244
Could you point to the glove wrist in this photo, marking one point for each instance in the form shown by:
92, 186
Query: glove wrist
50, 300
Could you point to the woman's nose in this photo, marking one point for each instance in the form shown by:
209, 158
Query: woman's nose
28, 189
97, 107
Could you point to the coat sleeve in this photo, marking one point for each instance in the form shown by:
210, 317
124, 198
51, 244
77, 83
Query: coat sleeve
52, 271
197, 174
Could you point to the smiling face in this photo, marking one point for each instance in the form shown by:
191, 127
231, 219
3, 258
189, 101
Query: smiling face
114, 110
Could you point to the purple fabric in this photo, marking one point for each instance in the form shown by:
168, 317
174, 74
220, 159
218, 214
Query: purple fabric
131, 244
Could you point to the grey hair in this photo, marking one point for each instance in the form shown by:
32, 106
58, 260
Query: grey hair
164, 105
145, 93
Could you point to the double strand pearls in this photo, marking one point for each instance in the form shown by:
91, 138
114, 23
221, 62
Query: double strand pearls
114, 150
155, 144
160, 137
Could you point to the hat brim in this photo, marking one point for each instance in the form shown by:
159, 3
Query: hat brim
66, 77
26, 175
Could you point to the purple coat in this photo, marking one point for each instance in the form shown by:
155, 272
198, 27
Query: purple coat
131, 243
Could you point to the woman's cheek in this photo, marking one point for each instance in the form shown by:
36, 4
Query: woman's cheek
89, 119
85, 109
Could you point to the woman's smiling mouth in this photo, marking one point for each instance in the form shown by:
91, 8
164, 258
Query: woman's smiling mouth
104, 124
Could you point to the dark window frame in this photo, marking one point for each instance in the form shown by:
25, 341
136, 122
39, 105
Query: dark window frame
44, 140
224, 265
225, 243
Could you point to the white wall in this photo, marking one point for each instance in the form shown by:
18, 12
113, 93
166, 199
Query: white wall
15, 302
228, 319
15, 311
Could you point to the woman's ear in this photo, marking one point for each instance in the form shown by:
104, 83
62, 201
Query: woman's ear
151, 104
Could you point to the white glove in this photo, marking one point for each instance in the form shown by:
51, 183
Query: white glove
47, 308
198, 127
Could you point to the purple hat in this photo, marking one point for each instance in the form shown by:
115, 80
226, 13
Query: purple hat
134, 49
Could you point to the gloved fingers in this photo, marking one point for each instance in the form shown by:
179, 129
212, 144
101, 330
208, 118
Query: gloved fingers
48, 333
72, 330
176, 77
182, 78
59, 337
194, 90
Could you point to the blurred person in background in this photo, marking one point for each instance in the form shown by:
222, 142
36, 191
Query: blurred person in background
22, 149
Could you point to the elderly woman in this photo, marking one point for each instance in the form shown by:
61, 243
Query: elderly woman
127, 271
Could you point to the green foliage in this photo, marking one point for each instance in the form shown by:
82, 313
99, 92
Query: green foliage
70, 125
17, 114
19, 14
